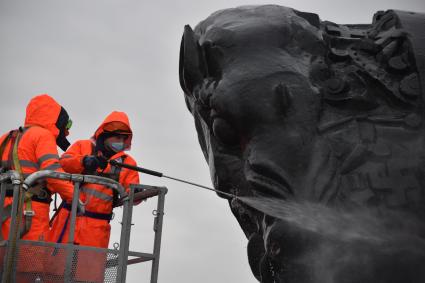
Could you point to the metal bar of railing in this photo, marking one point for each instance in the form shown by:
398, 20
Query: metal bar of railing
10, 175
139, 254
70, 249
34, 177
2, 197
3, 178
148, 192
127, 202
9, 266
125, 236
158, 234
75, 196
78, 178
140, 257
136, 260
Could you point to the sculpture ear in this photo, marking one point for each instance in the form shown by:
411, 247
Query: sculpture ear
312, 18
191, 66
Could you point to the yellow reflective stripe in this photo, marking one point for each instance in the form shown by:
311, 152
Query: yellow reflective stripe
47, 157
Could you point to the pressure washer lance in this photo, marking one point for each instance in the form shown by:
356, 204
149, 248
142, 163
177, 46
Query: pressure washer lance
159, 174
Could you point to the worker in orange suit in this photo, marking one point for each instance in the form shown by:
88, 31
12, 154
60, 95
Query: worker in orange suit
26, 150
46, 126
92, 156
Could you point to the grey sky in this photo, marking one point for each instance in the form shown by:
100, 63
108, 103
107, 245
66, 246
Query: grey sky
95, 56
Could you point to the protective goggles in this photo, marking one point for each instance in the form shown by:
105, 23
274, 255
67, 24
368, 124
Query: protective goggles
68, 124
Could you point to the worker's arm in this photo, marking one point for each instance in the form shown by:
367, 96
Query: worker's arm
48, 159
72, 159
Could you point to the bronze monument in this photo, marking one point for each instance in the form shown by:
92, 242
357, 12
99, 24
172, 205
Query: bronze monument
318, 129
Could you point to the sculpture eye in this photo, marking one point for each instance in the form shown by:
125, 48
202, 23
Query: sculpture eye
224, 132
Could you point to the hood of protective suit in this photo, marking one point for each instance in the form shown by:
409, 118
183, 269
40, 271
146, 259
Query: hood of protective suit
112, 118
43, 111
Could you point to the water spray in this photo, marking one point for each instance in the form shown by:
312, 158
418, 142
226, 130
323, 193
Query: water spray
159, 174
316, 218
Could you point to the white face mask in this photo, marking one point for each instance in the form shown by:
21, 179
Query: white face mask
116, 146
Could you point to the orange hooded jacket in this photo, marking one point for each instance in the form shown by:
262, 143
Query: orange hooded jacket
90, 231
37, 150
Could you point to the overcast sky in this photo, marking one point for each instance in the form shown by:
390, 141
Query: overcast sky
96, 56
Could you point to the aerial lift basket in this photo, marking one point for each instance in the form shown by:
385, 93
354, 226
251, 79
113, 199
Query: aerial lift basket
40, 261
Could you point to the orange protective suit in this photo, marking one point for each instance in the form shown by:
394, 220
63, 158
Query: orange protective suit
89, 230
37, 150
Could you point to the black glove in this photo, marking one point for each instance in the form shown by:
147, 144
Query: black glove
90, 163
103, 162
